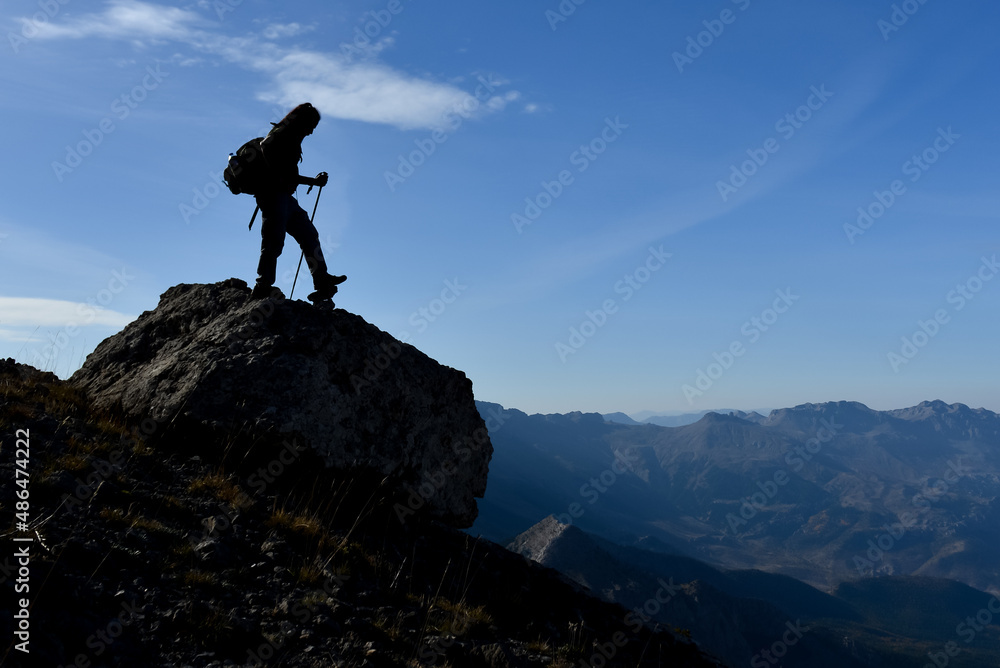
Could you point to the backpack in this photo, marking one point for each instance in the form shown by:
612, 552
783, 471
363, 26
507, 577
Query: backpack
247, 170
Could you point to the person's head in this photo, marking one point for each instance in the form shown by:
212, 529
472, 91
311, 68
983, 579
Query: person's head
302, 120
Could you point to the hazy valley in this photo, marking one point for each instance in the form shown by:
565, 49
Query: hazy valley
880, 528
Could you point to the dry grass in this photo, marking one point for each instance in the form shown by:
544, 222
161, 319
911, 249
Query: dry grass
133, 521
315, 598
540, 647
149, 524
307, 526
182, 550
116, 515
560, 662
221, 487
391, 625
198, 578
459, 618
71, 463
63, 399
308, 574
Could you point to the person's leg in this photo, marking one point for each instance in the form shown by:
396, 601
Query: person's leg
304, 232
274, 211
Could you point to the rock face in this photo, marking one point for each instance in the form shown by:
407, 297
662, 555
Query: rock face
209, 359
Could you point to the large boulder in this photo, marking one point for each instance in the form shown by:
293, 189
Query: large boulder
209, 359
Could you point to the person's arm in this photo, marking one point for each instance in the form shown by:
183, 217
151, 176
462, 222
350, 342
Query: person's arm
320, 180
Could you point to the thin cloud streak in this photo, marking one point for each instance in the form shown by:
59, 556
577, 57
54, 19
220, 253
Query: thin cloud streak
127, 20
367, 91
34, 312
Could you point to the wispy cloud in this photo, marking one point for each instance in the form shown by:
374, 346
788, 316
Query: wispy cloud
124, 19
280, 30
368, 91
17, 336
32, 312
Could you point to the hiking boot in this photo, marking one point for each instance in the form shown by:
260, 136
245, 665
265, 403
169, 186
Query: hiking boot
261, 291
335, 280
326, 286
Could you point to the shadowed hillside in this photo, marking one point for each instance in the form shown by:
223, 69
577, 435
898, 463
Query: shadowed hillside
741, 615
269, 499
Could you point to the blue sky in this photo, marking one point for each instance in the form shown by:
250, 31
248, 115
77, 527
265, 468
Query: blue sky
599, 207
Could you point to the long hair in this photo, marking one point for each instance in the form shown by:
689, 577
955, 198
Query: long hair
299, 122
301, 117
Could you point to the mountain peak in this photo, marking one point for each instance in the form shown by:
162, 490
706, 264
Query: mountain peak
536, 541
926, 409
806, 417
729, 417
222, 369
620, 418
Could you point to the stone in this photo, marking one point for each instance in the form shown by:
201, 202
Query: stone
209, 358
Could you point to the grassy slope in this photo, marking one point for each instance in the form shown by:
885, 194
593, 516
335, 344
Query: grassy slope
167, 550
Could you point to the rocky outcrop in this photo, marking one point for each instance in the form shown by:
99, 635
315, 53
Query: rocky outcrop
213, 363
144, 554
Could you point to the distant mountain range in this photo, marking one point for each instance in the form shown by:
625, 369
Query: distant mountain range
826, 493
749, 616
679, 420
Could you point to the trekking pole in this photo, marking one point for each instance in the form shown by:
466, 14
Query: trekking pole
315, 206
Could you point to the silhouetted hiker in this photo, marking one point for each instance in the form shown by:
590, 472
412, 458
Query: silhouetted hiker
281, 213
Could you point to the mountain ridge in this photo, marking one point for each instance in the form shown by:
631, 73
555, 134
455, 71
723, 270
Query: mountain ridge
875, 622
802, 492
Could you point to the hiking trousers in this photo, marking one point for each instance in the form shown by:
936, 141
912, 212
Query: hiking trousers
281, 213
